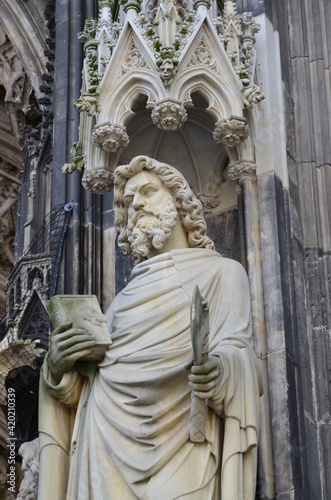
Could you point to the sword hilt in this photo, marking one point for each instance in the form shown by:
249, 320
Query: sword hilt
197, 420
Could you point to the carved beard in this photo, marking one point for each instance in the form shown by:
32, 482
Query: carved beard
150, 228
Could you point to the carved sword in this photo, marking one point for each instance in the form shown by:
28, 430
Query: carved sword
199, 322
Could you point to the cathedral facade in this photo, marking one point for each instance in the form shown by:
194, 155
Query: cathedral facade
237, 97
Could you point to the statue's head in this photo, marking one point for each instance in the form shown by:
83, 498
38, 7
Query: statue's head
149, 197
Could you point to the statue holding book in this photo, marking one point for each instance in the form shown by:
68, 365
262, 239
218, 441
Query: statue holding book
120, 428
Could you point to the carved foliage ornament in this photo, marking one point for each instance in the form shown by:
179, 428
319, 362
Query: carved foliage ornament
98, 180
241, 169
110, 138
230, 131
169, 115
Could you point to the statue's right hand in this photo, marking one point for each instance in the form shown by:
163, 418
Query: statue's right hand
67, 345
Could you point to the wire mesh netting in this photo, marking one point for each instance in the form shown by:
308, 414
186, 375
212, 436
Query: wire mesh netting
24, 329
38, 267
50, 239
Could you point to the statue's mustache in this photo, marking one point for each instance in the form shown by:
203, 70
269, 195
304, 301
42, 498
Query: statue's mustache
142, 213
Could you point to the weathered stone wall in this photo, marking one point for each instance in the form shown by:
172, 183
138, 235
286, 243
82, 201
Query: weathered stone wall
296, 221
305, 54
295, 232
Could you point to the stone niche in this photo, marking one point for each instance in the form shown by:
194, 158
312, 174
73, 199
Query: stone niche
175, 84
192, 150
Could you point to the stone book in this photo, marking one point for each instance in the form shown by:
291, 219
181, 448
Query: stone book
83, 311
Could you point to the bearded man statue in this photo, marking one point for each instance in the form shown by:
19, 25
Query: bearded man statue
120, 430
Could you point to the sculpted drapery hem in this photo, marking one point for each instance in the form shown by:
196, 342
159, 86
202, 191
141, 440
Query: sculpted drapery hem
136, 417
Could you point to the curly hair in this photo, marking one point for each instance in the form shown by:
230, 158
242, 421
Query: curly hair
189, 207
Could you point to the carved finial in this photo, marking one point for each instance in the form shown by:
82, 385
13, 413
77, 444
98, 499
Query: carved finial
232, 30
201, 5
106, 34
88, 100
251, 92
249, 26
167, 19
133, 6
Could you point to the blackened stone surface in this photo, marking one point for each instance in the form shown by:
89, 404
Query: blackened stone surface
272, 284
298, 274
292, 343
123, 266
277, 365
303, 41
223, 229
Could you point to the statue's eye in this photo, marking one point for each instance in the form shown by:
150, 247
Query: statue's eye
150, 191
128, 200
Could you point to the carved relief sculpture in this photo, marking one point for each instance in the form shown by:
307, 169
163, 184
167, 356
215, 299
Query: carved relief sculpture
122, 429
30, 467
231, 132
169, 115
110, 137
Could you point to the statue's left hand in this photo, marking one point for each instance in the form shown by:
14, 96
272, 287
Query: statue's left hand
206, 377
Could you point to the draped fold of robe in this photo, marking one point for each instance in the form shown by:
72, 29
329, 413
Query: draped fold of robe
125, 433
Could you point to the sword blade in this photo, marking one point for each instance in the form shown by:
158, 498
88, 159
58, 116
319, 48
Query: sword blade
199, 325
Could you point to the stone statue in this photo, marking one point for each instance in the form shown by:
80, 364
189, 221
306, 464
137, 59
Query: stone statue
30, 467
120, 430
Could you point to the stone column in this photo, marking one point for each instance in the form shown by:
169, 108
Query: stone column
244, 172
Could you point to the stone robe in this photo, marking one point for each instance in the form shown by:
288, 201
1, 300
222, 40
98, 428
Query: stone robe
123, 431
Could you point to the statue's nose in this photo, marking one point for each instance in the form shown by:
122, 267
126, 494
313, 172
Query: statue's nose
138, 201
